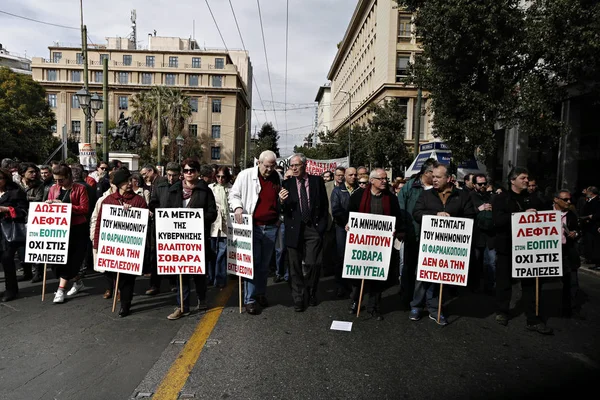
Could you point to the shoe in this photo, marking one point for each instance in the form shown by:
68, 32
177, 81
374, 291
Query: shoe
442, 321
152, 291
540, 328
277, 279
298, 307
202, 306
502, 319
312, 301
251, 309
59, 296
9, 296
107, 294
376, 315
415, 314
36, 278
262, 301
353, 307
76, 288
178, 314
124, 311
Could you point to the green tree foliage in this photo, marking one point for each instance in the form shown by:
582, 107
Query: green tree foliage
385, 145
26, 120
506, 61
267, 140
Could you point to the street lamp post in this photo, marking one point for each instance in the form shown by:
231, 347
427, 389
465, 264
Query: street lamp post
349, 121
179, 140
90, 104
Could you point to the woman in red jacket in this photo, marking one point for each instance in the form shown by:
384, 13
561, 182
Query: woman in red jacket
66, 191
125, 197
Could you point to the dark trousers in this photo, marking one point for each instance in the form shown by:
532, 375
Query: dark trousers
340, 238
77, 247
570, 279
330, 253
201, 285
304, 281
10, 271
126, 285
373, 289
504, 283
409, 270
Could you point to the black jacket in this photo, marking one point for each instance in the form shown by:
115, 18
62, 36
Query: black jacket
484, 232
458, 204
14, 197
292, 217
503, 205
166, 196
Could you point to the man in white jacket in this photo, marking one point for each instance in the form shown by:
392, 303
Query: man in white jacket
256, 192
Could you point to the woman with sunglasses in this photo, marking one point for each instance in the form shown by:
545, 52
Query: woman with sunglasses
193, 192
217, 269
363, 180
67, 191
13, 206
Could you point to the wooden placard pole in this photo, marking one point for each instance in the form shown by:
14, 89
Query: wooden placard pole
362, 286
440, 303
181, 291
44, 283
240, 283
537, 296
116, 293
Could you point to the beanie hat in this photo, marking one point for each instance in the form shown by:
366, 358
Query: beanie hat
121, 176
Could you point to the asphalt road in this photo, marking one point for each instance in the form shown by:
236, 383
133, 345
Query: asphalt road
80, 350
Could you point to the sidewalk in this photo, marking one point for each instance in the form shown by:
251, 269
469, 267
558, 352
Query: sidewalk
585, 268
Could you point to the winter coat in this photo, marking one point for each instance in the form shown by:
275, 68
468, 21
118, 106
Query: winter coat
79, 200
483, 229
458, 204
15, 199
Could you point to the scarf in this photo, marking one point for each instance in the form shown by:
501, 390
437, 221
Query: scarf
187, 192
365, 202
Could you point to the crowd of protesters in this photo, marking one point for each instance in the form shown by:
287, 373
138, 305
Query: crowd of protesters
300, 226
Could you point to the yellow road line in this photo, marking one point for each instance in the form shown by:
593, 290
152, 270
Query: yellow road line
179, 372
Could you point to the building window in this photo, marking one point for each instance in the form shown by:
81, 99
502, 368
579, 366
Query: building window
52, 75
217, 80
196, 62
103, 57
52, 100
74, 101
123, 77
215, 132
127, 60
215, 153
216, 105
79, 58
404, 32
173, 62
75, 76
193, 129
402, 62
146, 78
193, 80
150, 61
219, 63
99, 126
56, 56
76, 127
403, 102
123, 102
194, 104
98, 76
170, 79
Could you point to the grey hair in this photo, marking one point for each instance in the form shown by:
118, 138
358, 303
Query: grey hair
302, 157
375, 171
267, 155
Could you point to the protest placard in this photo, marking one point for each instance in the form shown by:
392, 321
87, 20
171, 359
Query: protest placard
368, 246
180, 241
537, 244
239, 247
445, 250
48, 233
122, 239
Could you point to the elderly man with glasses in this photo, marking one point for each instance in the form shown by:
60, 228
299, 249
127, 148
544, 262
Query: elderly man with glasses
484, 260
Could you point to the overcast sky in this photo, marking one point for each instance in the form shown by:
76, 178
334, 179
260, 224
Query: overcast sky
315, 27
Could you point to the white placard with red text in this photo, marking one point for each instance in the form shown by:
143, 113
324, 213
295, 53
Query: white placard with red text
445, 250
180, 241
122, 239
48, 233
240, 259
368, 246
536, 244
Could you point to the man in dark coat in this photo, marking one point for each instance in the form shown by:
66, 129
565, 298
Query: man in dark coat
305, 208
515, 199
377, 199
591, 227
483, 259
447, 201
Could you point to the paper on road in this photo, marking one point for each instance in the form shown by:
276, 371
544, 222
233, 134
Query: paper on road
341, 326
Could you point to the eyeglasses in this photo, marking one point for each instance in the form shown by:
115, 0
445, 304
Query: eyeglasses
221, 176
565, 198
103, 168
382, 179
481, 183
362, 183
189, 170
351, 174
